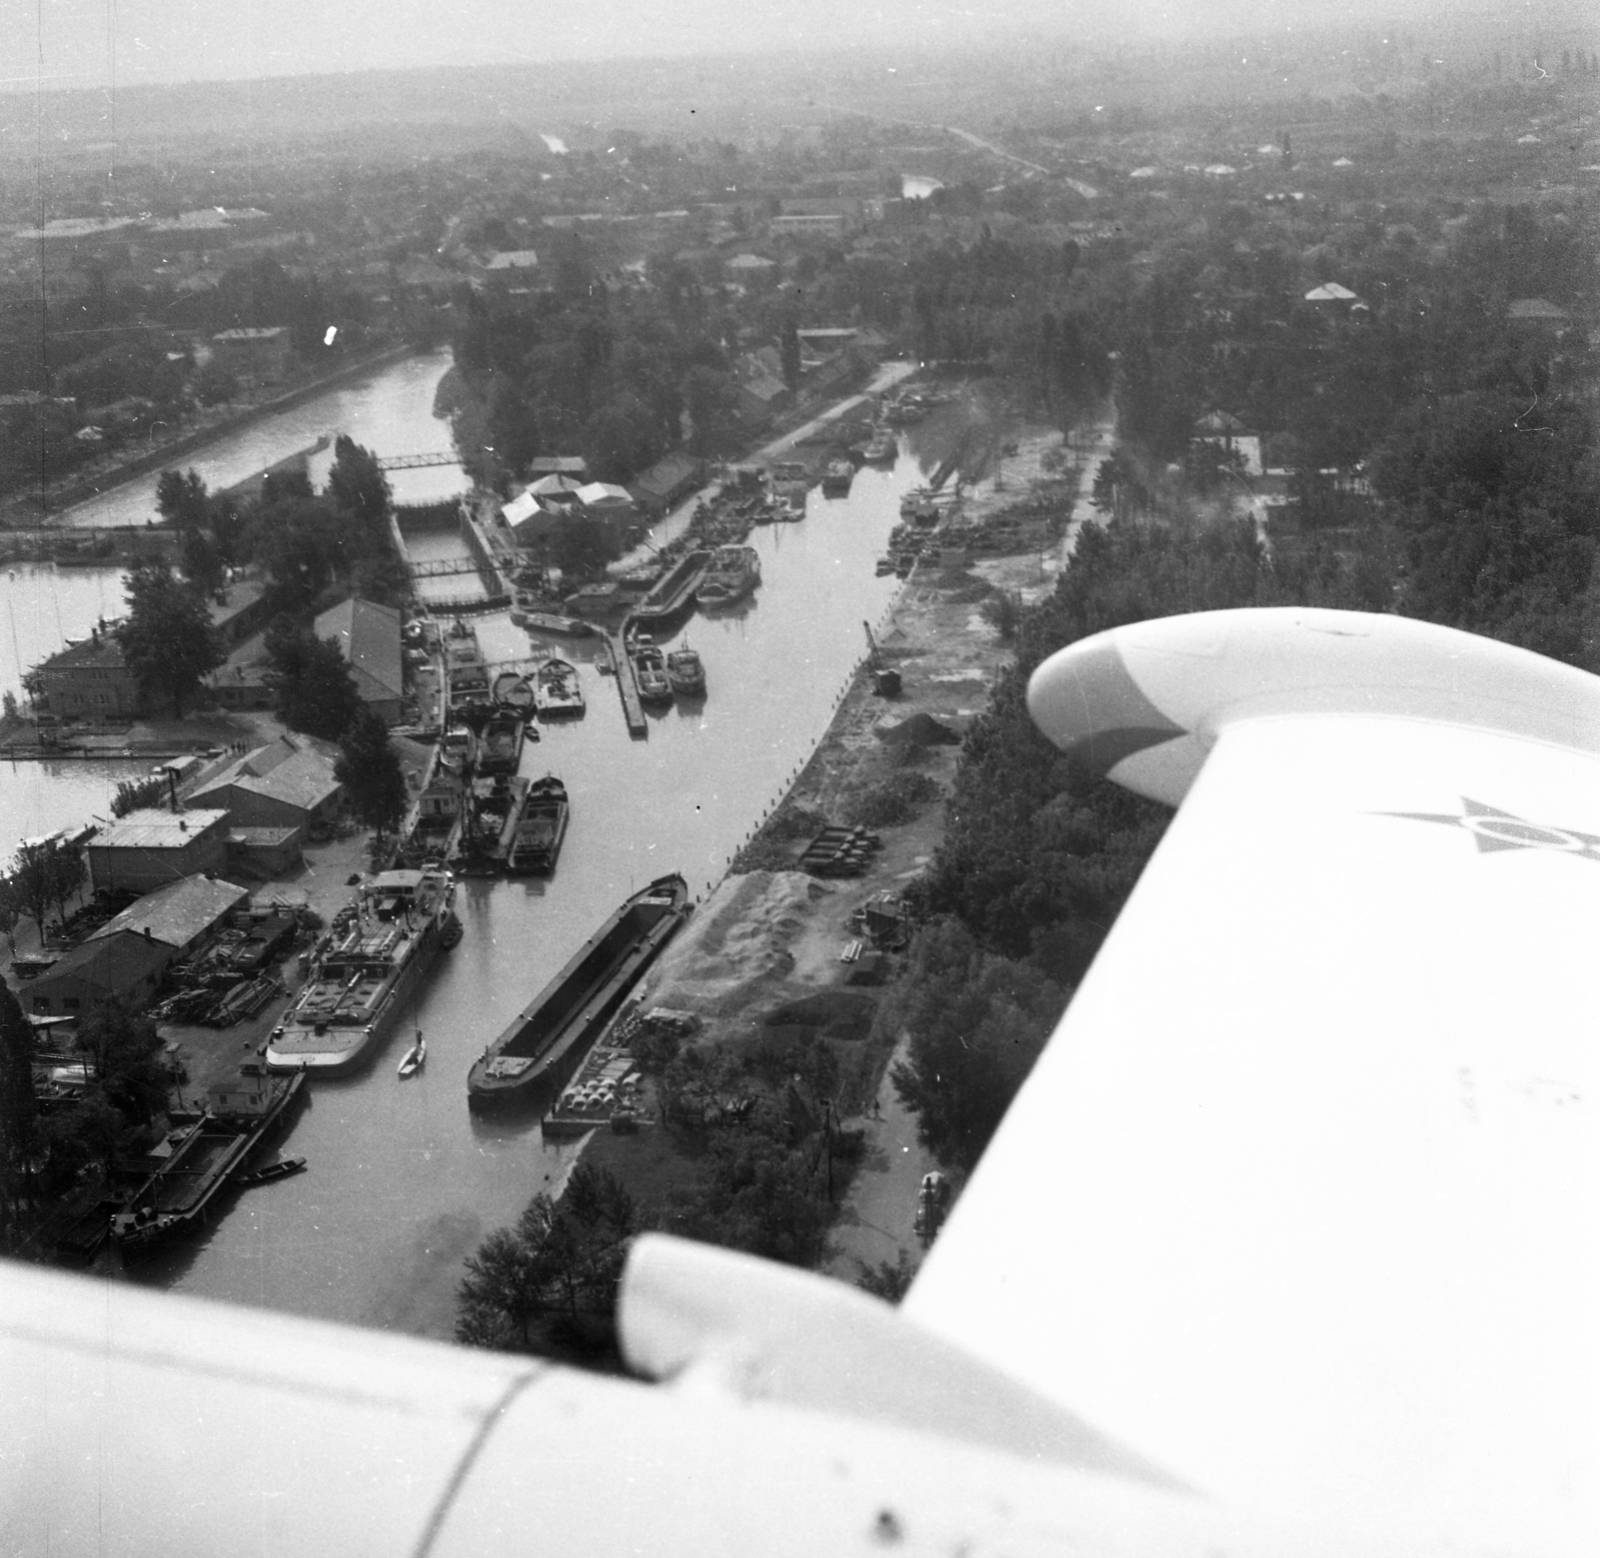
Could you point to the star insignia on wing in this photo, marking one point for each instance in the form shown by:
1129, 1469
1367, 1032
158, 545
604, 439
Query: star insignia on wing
1493, 830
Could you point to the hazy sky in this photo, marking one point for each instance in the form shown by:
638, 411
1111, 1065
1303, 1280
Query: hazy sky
81, 42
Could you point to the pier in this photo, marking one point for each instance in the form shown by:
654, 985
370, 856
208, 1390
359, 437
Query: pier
632, 709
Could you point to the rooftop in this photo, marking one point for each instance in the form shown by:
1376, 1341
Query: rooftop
293, 771
369, 638
100, 649
113, 963
152, 828
177, 913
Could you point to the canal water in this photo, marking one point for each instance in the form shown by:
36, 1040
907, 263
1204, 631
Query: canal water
403, 1182
389, 411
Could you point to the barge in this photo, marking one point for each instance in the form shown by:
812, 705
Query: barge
364, 970
176, 1196
674, 592
568, 1015
501, 749
540, 829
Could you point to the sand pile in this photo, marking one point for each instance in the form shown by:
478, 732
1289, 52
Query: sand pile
921, 730
740, 943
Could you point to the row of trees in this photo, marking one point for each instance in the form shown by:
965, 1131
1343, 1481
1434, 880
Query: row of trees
42, 1154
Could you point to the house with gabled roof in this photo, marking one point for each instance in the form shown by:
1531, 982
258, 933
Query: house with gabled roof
672, 477
288, 783
368, 636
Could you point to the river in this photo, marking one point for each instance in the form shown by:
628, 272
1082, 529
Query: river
389, 411
403, 1182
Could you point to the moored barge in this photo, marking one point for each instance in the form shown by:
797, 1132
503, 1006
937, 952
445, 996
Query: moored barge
558, 1026
178, 1193
364, 969
674, 592
540, 829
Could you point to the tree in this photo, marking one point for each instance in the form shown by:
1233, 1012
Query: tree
313, 687
369, 769
757, 1194
214, 385
126, 1052
977, 1023
358, 487
888, 1280
581, 547
43, 876
499, 1298
168, 641
10, 910
789, 352
202, 562
19, 1110
563, 1257
711, 401
181, 498
299, 539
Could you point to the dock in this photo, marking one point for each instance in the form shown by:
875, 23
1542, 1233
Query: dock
632, 709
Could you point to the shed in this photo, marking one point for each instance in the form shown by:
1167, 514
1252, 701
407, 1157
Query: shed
263, 852
123, 967
558, 465
670, 478
152, 848
605, 496
180, 915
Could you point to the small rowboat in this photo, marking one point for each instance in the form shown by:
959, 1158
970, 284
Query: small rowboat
412, 1061
281, 1169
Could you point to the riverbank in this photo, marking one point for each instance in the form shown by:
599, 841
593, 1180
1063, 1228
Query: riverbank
770, 935
53, 504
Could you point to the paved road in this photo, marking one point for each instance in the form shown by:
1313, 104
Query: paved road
875, 1222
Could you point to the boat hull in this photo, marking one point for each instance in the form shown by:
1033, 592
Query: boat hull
553, 1033
537, 844
178, 1195
309, 1042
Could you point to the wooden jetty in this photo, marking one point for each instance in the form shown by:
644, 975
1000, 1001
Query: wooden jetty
632, 709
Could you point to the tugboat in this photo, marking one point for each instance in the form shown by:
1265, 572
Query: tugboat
650, 672
734, 573
554, 1031
502, 744
836, 479
880, 447
540, 829
556, 689
686, 673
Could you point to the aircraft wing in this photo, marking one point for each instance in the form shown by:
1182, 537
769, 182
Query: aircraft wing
1286, 1247
1303, 1197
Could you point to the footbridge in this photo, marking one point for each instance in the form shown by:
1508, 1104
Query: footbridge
417, 462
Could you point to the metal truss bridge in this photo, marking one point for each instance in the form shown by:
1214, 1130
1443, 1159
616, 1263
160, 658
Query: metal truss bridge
415, 462
438, 568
